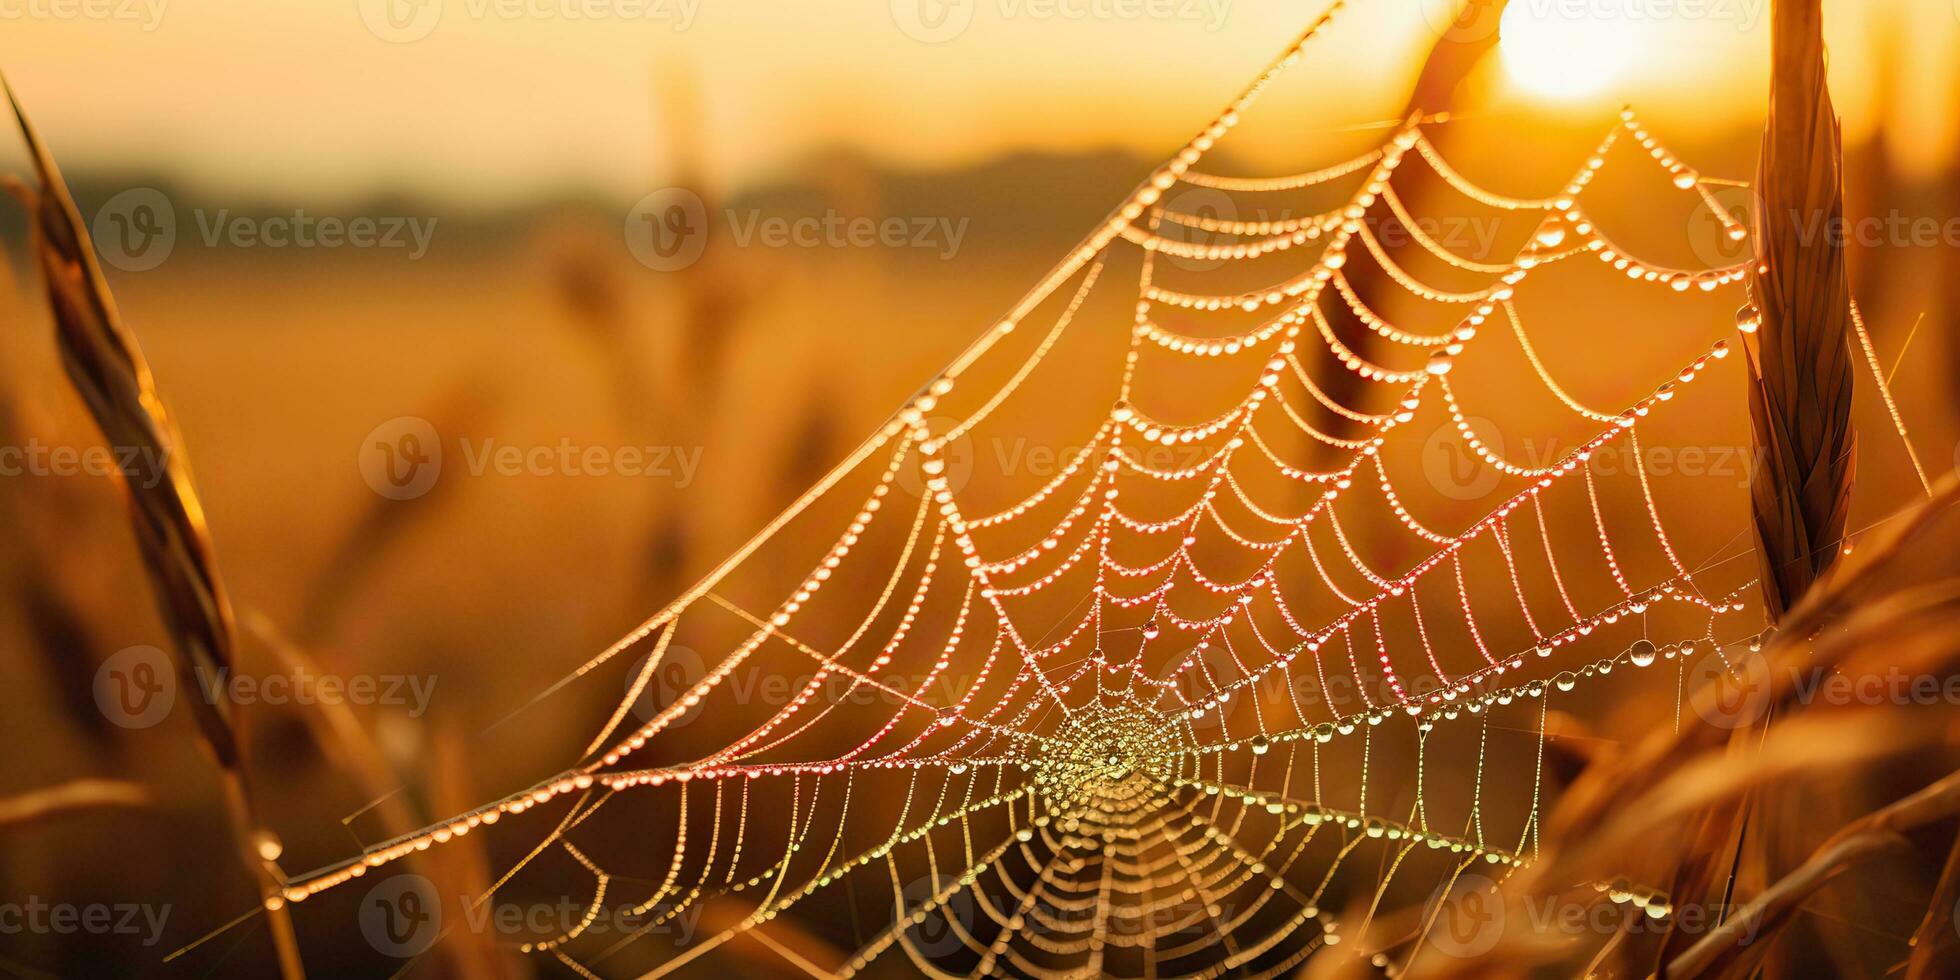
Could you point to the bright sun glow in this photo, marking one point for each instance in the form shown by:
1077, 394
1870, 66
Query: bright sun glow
1555, 53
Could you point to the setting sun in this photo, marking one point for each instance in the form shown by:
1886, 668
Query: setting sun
1561, 55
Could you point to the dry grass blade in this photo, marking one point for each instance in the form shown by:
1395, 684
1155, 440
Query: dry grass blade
107, 369
82, 794
1936, 943
1726, 951
1888, 608
1888, 631
1800, 370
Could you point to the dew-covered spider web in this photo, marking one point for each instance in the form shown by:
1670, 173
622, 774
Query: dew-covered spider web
1241, 666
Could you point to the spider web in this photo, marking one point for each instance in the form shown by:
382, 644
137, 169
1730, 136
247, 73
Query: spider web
1208, 682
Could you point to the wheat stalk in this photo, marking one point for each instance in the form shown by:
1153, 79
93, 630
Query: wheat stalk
1799, 380
1799, 363
107, 368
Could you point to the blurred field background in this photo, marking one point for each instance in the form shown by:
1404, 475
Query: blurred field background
530, 321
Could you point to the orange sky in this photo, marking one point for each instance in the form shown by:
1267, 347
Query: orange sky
500, 99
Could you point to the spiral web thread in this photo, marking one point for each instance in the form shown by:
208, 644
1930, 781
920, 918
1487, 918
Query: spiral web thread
1172, 771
